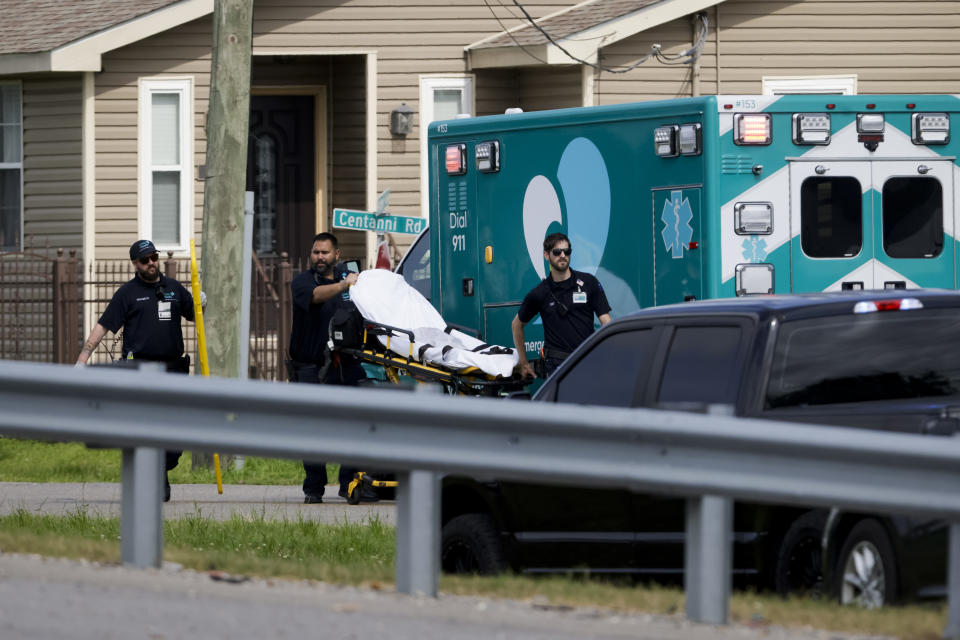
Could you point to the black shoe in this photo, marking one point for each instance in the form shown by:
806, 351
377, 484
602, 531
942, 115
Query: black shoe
166, 493
312, 498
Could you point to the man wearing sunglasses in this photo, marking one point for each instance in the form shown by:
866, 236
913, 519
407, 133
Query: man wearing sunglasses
566, 301
148, 308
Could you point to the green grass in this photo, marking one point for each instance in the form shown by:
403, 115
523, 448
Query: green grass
36, 461
342, 553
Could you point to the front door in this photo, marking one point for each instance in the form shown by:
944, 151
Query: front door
281, 173
913, 223
831, 219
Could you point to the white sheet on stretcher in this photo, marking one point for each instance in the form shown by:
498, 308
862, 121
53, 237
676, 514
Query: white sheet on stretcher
385, 297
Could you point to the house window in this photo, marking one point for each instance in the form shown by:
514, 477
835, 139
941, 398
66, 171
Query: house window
11, 168
780, 85
441, 98
166, 162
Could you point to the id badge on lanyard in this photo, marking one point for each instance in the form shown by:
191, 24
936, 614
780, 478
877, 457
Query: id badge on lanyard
163, 310
579, 296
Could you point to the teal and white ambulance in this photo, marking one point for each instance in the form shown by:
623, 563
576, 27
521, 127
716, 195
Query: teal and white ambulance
708, 197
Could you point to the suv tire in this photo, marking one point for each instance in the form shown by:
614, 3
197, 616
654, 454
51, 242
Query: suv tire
799, 568
470, 543
866, 573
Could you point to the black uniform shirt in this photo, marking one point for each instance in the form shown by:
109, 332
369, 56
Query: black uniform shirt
582, 296
150, 313
311, 322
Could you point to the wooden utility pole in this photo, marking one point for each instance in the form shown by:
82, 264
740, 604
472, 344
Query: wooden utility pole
226, 164
227, 130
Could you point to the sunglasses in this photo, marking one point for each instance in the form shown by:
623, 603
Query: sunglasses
559, 252
148, 259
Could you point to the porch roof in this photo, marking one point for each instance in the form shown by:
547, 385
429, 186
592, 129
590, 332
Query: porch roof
581, 29
71, 35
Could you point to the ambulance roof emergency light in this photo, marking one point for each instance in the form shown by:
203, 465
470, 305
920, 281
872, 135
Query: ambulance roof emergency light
930, 128
811, 128
752, 129
665, 141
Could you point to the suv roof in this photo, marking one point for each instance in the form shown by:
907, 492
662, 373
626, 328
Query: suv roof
813, 303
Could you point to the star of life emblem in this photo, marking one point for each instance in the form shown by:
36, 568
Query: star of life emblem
676, 217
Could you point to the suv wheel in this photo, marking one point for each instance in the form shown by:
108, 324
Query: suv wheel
866, 573
471, 544
799, 569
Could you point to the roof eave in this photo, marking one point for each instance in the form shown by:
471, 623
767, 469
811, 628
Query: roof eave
527, 55
584, 44
86, 53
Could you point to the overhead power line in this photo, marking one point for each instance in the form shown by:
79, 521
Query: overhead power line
685, 57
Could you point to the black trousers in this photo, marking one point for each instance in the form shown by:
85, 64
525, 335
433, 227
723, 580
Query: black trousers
315, 473
179, 365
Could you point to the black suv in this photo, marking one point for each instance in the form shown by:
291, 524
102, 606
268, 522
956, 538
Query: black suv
882, 360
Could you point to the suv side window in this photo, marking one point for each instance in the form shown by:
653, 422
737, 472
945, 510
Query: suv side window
702, 365
415, 267
613, 373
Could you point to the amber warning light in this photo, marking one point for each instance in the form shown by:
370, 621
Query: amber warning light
752, 128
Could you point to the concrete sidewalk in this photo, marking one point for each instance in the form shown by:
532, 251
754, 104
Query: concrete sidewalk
268, 501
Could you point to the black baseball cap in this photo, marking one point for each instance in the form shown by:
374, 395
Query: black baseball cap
141, 248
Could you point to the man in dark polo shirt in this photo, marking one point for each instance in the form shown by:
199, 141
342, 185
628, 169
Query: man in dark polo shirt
566, 301
317, 292
148, 308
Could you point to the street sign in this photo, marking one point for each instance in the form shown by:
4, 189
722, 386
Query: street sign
369, 221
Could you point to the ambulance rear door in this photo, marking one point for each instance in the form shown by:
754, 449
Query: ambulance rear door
913, 223
831, 222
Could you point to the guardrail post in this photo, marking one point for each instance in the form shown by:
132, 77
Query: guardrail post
418, 532
141, 510
952, 631
141, 502
707, 558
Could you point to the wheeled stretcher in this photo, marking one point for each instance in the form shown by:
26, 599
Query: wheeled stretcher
455, 380
418, 345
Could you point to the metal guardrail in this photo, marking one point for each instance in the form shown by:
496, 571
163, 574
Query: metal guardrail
710, 459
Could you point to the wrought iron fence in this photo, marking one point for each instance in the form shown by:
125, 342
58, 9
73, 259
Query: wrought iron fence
47, 307
39, 306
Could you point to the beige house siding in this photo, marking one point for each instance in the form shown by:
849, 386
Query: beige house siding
348, 147
892, 47
496, 90
554, 88
52, 164
409, 39
179, 53
654, 80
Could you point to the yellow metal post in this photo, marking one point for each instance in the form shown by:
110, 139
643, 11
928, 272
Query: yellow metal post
201, 340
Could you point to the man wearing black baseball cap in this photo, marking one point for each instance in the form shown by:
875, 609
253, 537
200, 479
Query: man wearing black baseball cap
148, 308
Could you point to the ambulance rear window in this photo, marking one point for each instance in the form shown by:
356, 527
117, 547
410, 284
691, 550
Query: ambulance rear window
831, 217
912, 217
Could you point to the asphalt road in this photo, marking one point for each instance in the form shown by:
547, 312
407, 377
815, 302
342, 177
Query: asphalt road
273, 502
52, 599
